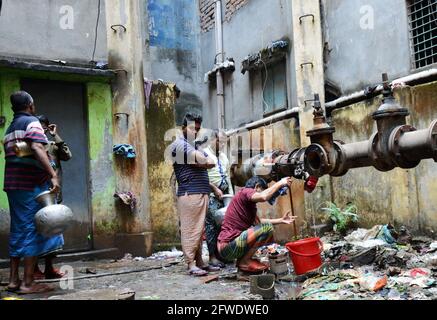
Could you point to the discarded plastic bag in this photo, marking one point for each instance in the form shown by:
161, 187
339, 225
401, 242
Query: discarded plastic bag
373, 283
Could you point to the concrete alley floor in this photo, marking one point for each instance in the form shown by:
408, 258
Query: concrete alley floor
361, 266
165, 280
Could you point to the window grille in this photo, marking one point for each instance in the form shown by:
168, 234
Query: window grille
423, 31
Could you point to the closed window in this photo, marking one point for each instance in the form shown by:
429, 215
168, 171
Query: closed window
274, 87
423, 31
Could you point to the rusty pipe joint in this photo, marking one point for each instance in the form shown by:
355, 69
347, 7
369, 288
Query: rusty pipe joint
408, 146
321, 156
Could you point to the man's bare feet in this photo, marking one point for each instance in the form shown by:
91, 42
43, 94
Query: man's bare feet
14, 286
35, 288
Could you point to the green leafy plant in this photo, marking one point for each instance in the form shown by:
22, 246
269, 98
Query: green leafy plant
341, 218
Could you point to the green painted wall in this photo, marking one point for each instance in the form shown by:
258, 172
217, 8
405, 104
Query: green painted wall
8, 85
105, 222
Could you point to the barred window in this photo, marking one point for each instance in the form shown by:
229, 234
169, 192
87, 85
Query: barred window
423, 31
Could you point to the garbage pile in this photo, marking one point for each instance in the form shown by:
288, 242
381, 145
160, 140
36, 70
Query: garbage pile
376, 264
163, 255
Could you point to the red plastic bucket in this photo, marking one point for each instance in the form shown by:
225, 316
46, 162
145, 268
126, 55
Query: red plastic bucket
305, 254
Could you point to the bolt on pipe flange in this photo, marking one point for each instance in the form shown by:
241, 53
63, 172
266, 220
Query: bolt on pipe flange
380, 161
340, 168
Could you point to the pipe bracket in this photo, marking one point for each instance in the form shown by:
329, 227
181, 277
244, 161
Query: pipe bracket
307, 63
119, 26
305, 16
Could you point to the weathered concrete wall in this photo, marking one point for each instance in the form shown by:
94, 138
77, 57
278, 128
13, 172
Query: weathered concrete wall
160, 117
251, 29
404, 197
52, 30
172, 49
125, 51
369, 37
102, 182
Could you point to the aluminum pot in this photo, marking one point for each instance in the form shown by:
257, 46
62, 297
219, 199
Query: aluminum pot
53, 219
22, 149
220, 213
227, 198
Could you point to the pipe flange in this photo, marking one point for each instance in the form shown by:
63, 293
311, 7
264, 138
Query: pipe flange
394, 147
378, 160
433, 139
340, 165
316, 160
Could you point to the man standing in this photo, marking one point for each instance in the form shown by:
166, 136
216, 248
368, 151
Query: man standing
220, 182
58, 151
190, 166
25, 178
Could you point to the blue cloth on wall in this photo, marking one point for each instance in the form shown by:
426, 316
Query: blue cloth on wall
125, 150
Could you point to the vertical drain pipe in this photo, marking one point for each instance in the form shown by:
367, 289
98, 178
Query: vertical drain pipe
219, 58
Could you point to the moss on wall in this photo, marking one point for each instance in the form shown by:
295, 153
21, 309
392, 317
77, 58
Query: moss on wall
8, 85
160, 117
99, 98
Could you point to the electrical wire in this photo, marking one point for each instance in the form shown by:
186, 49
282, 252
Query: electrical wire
96, 31
265, 82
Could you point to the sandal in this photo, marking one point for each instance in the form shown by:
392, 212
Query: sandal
36, 288
253, 267
220, 265
210, 268
196, 272
38, 275
55, 274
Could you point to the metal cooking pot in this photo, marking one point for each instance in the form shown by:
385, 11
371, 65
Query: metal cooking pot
53, 219
227, 198
220, 213
22, 149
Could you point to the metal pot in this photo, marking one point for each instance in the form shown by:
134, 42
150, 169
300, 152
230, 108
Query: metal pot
22, 149
227, 198
53, 219
220, 213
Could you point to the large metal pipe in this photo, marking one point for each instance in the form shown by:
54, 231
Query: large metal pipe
219, 60
266, 121
414, 79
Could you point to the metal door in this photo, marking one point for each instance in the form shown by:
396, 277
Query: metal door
63, 103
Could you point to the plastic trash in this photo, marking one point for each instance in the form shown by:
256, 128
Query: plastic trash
373, 283
394, 295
